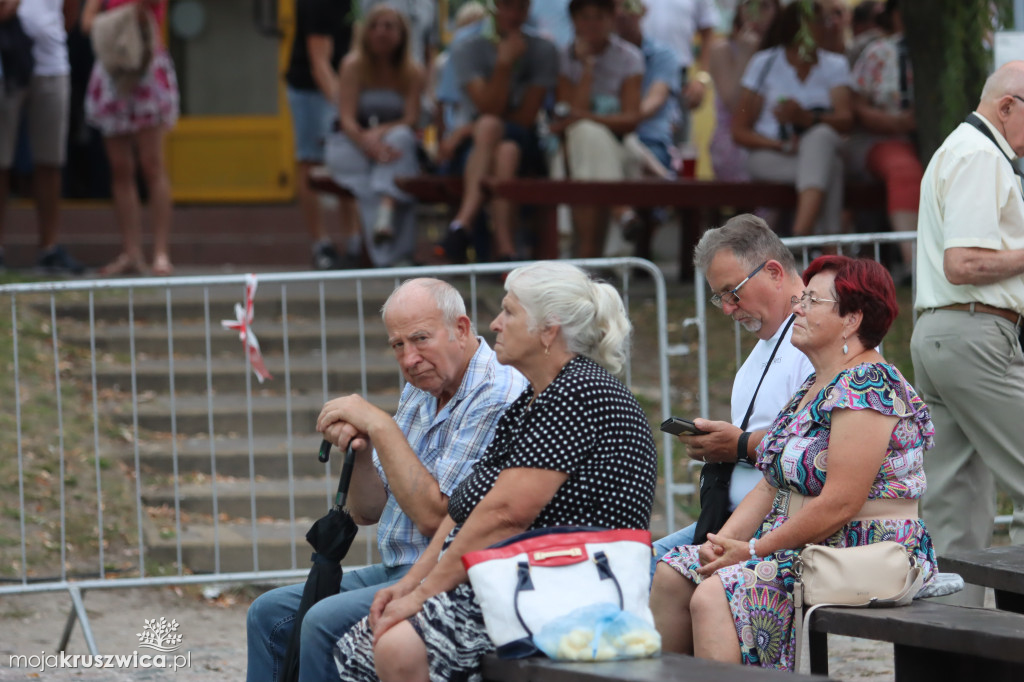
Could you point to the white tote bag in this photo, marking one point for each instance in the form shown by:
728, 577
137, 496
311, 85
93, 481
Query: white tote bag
536, 577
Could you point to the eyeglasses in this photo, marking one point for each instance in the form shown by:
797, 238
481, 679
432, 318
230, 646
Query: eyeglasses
1017, 97
731, 296
807, 300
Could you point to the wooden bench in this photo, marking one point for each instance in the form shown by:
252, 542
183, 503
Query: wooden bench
690, 197
320, 180
931, 641
665, 668
1001, 568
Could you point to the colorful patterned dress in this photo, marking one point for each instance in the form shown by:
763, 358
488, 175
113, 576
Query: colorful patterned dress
794, 455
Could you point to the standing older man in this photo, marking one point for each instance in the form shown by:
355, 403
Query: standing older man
968, 364
406, 466
753, 276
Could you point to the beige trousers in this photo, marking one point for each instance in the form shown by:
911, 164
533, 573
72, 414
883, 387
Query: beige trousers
970, 371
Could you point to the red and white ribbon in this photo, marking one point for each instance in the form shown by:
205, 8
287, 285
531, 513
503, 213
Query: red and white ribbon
242, 324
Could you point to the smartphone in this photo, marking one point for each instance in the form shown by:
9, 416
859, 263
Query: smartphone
677, 426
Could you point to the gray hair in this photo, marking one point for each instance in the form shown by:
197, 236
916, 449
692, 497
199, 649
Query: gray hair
449, 301
750, 240
590, 313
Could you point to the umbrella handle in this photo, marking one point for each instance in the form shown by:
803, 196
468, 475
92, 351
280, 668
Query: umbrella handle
325, 451
346, 478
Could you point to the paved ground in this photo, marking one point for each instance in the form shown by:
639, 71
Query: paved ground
213, 636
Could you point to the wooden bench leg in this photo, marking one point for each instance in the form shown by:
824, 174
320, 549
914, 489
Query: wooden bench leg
690, 231
818, 651
545, 246
915, 664
1009, 601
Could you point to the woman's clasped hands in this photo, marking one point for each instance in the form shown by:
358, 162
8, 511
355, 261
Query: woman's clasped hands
720, 551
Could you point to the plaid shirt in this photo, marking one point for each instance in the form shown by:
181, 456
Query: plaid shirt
448, 442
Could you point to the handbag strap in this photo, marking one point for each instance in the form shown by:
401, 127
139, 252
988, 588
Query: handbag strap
767, 366
525, 584
975, 120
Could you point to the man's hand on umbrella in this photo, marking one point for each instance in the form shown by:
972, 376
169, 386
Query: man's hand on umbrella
339, 434
358, 418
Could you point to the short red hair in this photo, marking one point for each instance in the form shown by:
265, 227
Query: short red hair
863, 286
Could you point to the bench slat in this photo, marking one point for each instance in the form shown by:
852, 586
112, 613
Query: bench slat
666, 668
1001, 568
987, 633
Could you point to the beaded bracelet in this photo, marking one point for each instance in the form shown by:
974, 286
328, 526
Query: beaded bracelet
753, 554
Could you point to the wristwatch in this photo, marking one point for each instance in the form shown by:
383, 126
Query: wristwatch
562, 109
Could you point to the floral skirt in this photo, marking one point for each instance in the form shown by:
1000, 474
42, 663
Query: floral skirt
152, 104
760, 593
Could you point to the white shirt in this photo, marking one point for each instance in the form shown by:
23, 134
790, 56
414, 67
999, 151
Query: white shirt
788, 371
675, 22
770, 75
43, 21
970, 197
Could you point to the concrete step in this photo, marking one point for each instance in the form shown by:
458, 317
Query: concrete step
280, 545
270, 455
230, 416
210, 235
340, 300
344, 372
236, 498
303, 337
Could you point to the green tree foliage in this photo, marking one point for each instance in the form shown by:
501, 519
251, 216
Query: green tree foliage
949, 43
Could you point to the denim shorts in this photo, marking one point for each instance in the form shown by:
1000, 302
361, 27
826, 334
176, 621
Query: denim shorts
312, 117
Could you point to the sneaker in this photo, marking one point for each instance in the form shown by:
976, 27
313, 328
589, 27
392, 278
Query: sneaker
325, 257
57, 260
454, 245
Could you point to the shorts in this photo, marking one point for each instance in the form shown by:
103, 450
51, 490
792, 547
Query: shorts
152, 104
531, 160
312, 116
48, 101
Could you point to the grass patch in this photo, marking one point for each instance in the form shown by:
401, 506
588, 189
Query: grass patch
57, 457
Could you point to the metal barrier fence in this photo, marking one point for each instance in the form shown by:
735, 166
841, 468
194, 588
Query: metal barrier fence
147, 343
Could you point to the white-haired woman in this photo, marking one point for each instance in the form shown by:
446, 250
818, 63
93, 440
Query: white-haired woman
574, 449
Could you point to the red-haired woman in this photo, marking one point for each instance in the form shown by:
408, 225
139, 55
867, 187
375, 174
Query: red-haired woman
136, 121
379, 104
857, 412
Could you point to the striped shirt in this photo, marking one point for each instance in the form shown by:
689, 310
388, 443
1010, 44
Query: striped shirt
448, 442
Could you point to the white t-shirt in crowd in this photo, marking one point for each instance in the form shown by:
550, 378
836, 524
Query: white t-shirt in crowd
43, 21
675, 22
770, 75
789, 369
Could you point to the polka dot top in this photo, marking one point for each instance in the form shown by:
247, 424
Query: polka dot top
587, 425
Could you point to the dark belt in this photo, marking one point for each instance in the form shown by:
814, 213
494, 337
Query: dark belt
1008, 315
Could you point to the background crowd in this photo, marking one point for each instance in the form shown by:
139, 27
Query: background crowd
812, 93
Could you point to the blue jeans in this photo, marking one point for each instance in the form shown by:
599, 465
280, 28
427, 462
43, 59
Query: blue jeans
681, 537
268, 625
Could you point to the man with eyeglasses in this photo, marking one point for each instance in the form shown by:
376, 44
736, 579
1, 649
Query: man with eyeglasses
754, 278
968, 364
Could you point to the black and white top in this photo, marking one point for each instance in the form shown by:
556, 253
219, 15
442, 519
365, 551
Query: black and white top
587, 425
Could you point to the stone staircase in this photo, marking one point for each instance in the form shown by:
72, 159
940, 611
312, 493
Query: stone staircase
210, 413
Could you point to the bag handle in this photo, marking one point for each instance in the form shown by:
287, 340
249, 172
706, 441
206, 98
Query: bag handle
525, 584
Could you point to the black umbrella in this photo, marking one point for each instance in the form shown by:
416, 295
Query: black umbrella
331, 536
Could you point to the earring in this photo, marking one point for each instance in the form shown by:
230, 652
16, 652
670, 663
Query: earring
846, 349
547, 350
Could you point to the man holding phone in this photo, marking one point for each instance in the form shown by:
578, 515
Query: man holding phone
753, 276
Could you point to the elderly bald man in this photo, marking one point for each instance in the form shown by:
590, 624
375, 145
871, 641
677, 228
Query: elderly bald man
967, 357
